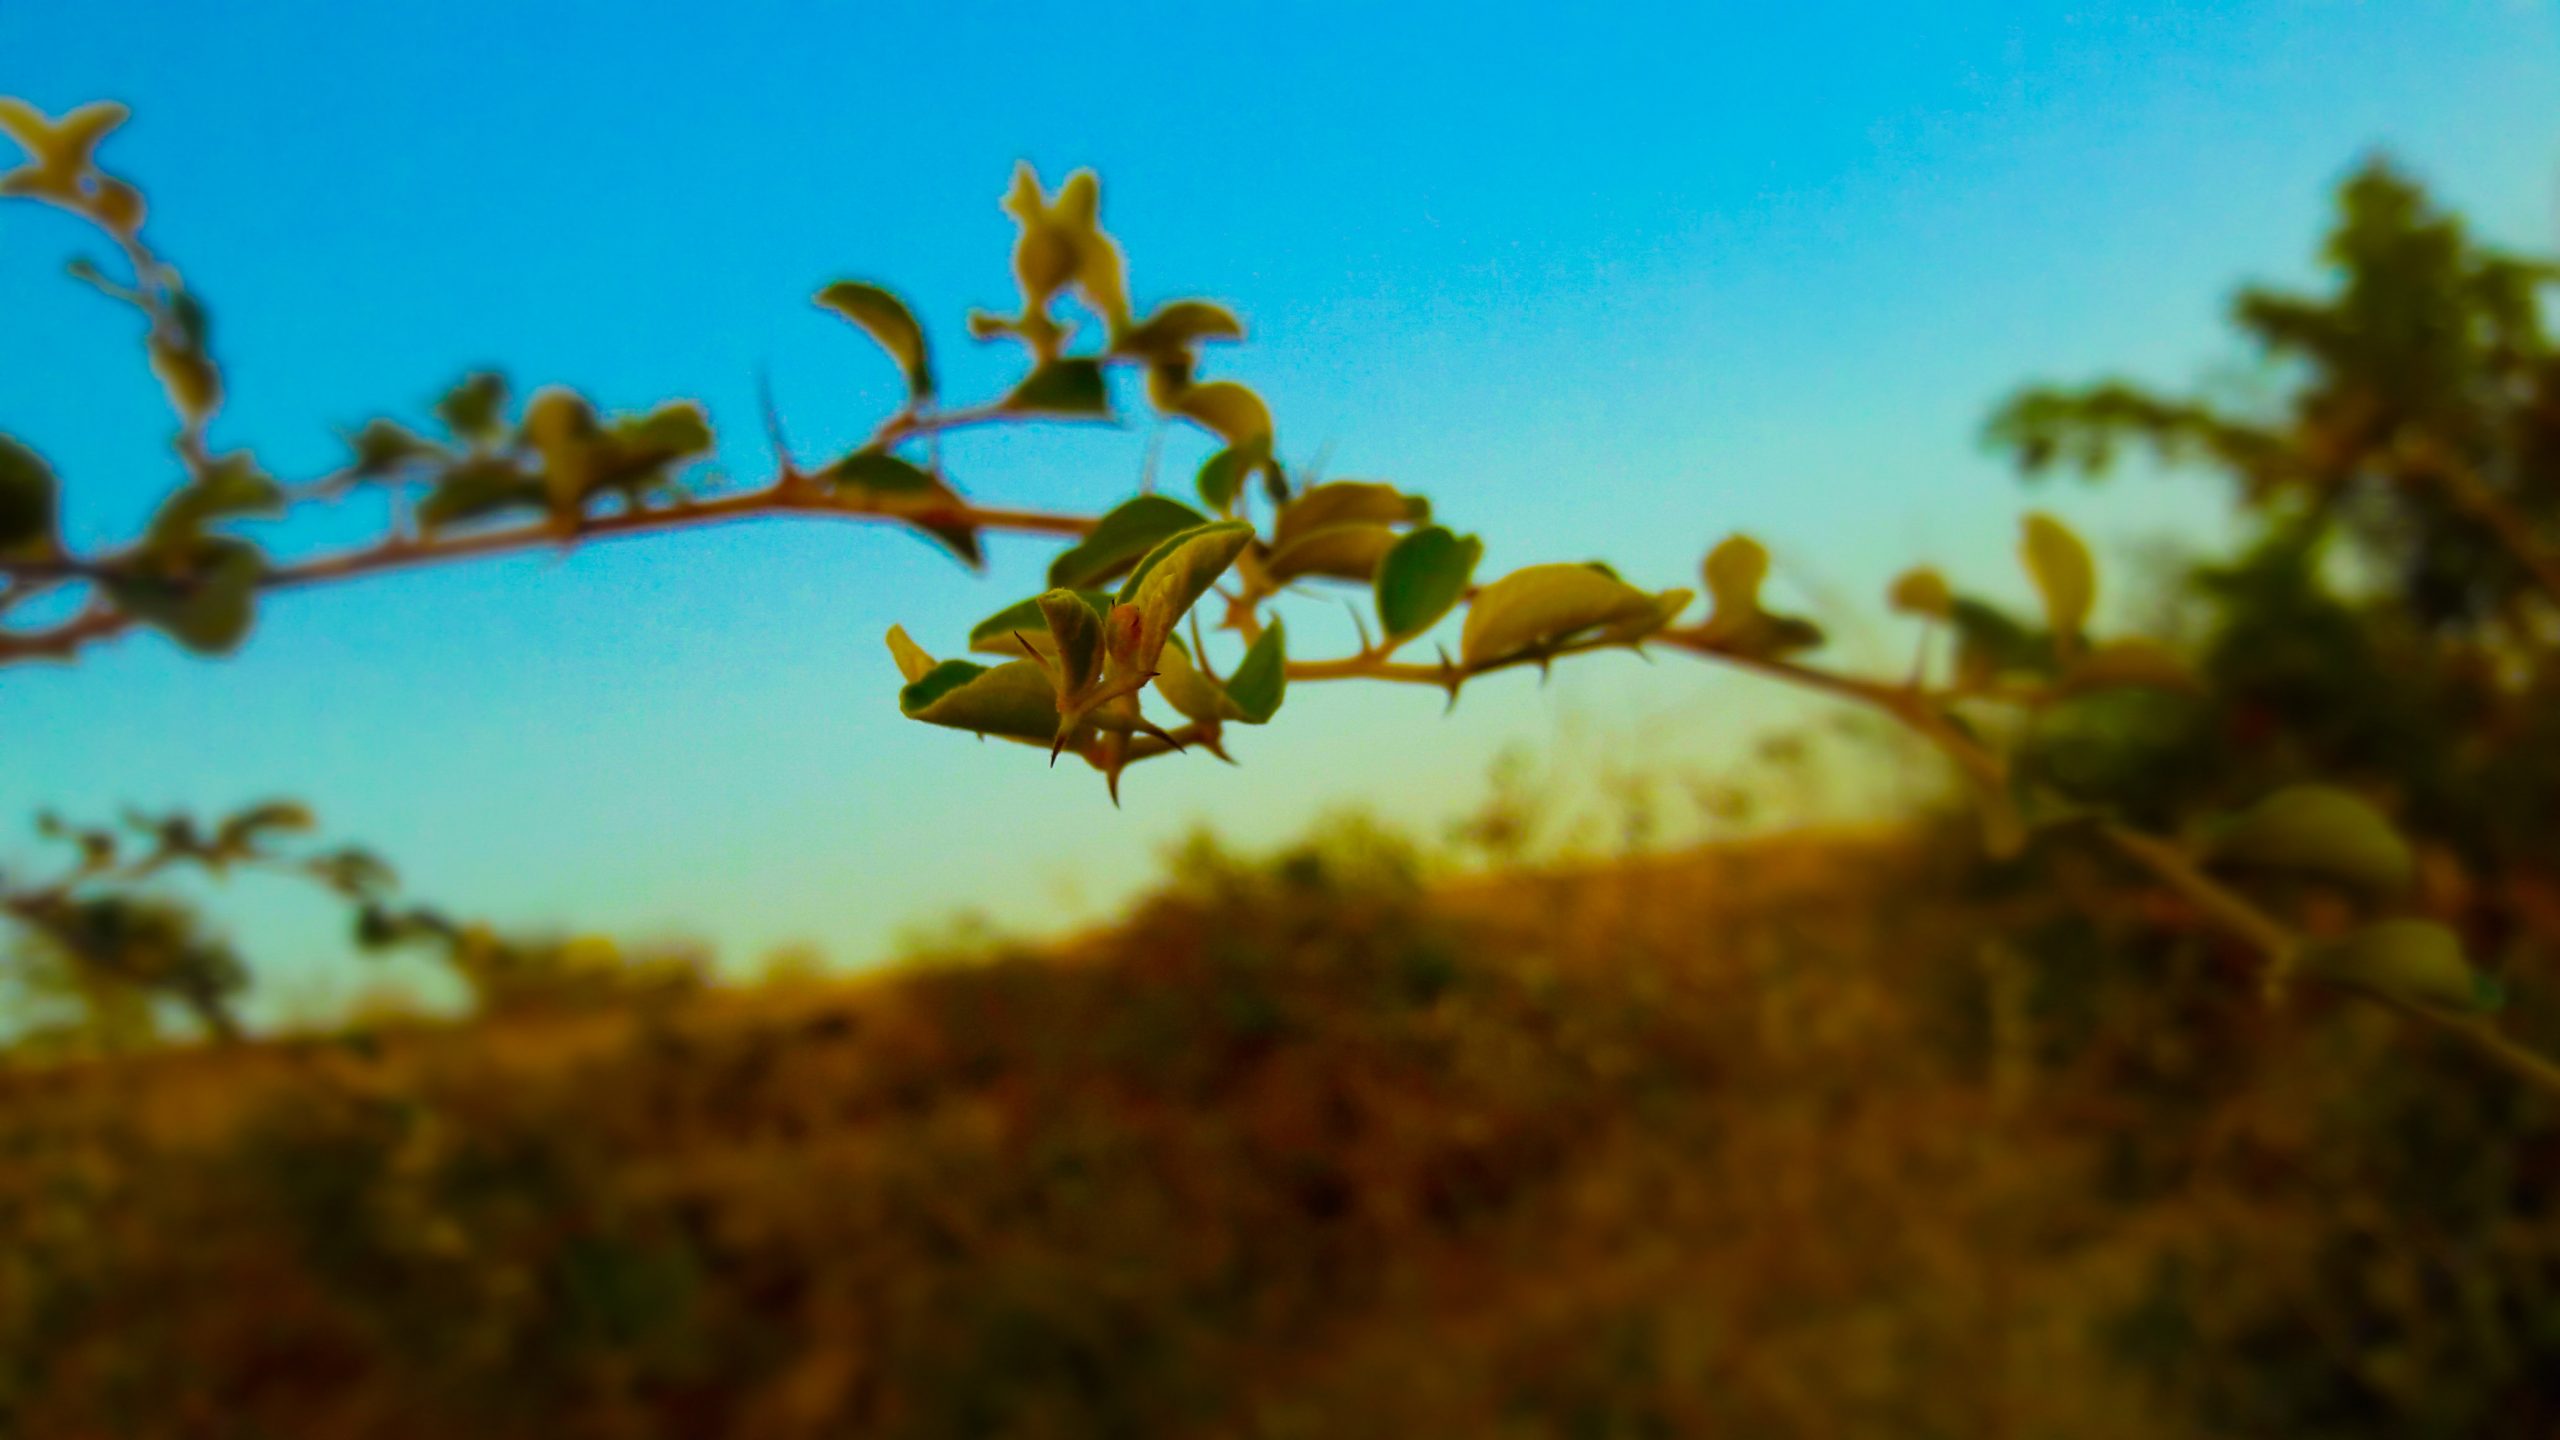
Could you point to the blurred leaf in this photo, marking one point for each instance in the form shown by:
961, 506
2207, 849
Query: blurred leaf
2316, 830
882, 473
58, 151
561, 427
1222, 475
206, 606
29, 500
1225, 408
1922, 591
1071, 387
2121, 664
231, 487
1423, 577
889, 321
475, 409
1734, 571
472, 489
188, 374
2416, 963
1120, 539
1547, 605
1013, 701
1261, 680
673, 431
240, 833
382, 447
2063, 573
1171, 332
913, 663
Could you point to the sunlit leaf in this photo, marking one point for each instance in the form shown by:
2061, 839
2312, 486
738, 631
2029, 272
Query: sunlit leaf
1226, 408
1423, 577
2416, 963
473, 489
1548, 605
1120, 539
189, 376
58, 151
2063, 573
1013, 701
1175, 574
913, 663
2316, 830
886, 318
561, 427
1734, 571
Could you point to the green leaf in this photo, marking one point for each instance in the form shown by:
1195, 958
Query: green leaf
889, 321
2316, 830
1226, 408
1423, 577
1119, 539
1991, 643
1075, 633
232, 487
1261, 680
1013, 701
1191, 689
382, 447
1073, 387
1735, 570
670, 432
2063, 573
1547, 605
475, 409
1338, 502
473, 489
206, 606
1922, 591
1170, 333
1350, 551
995, 634
1173, 577
2416, 963
29, 499
882, 473
1222, 475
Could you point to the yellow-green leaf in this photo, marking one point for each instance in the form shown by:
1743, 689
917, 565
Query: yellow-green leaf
2316, 830
2063, 573
1190, 689
1173, 577
1013, 701
1170, 333
996, 635
1734, 571
1349, 551
1922, 591
1120, 539
1226, 408
1261, 680
2416, 963
1546, 605
1338, 502
886, 319
913, 663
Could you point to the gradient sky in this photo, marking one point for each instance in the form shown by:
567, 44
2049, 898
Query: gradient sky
1600, 284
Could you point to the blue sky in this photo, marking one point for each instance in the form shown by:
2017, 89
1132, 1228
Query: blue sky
1601, 284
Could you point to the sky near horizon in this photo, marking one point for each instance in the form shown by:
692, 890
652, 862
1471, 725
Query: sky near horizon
1602, 283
